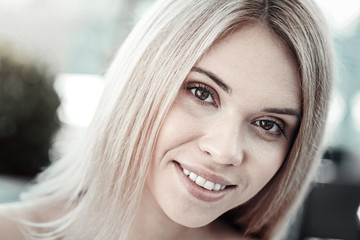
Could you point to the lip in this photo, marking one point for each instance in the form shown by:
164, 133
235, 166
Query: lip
201, 193
207, 175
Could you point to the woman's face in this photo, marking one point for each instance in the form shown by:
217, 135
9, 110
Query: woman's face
228, 131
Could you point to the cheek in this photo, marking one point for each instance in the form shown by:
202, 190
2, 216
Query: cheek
265, 166
169, 132
177, 128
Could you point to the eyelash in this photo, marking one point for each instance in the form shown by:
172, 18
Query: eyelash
190, 86
278, 123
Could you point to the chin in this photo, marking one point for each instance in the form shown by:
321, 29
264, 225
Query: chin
192, 221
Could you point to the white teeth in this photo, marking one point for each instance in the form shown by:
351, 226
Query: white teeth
209, 185
202, 182
217, 187
192, 176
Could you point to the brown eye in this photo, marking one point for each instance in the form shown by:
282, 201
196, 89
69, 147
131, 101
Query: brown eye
268, 125
271, 127
202, 94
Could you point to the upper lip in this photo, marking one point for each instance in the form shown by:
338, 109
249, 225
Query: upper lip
207, 174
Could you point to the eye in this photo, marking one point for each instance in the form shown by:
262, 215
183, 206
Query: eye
268, 125
271, 127
202, 93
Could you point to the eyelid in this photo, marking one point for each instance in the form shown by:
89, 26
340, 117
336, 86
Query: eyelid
197, 84
280, 123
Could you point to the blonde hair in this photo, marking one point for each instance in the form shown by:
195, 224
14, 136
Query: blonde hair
102, 181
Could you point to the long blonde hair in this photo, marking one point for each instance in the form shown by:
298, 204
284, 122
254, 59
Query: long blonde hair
102, 180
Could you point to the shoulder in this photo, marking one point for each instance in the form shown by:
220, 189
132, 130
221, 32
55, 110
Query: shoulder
10, 228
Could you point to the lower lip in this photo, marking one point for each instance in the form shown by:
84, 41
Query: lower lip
198, 192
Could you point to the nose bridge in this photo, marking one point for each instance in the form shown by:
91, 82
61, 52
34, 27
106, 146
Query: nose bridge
222, 140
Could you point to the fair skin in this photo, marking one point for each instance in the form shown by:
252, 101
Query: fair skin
232, 123
11, 213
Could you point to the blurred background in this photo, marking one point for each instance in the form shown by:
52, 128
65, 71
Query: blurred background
53, 54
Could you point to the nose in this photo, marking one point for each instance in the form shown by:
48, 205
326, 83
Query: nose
222, 141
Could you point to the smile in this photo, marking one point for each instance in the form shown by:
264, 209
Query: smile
202, 182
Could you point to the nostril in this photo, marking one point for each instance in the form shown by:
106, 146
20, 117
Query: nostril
207, 153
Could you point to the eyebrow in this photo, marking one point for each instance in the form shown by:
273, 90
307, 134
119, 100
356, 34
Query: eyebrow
283, 111
213, 77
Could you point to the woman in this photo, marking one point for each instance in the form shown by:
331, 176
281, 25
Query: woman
210, 126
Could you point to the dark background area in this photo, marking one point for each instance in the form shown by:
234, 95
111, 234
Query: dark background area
28, 118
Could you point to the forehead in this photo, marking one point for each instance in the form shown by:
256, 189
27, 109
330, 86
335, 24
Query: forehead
256, 64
